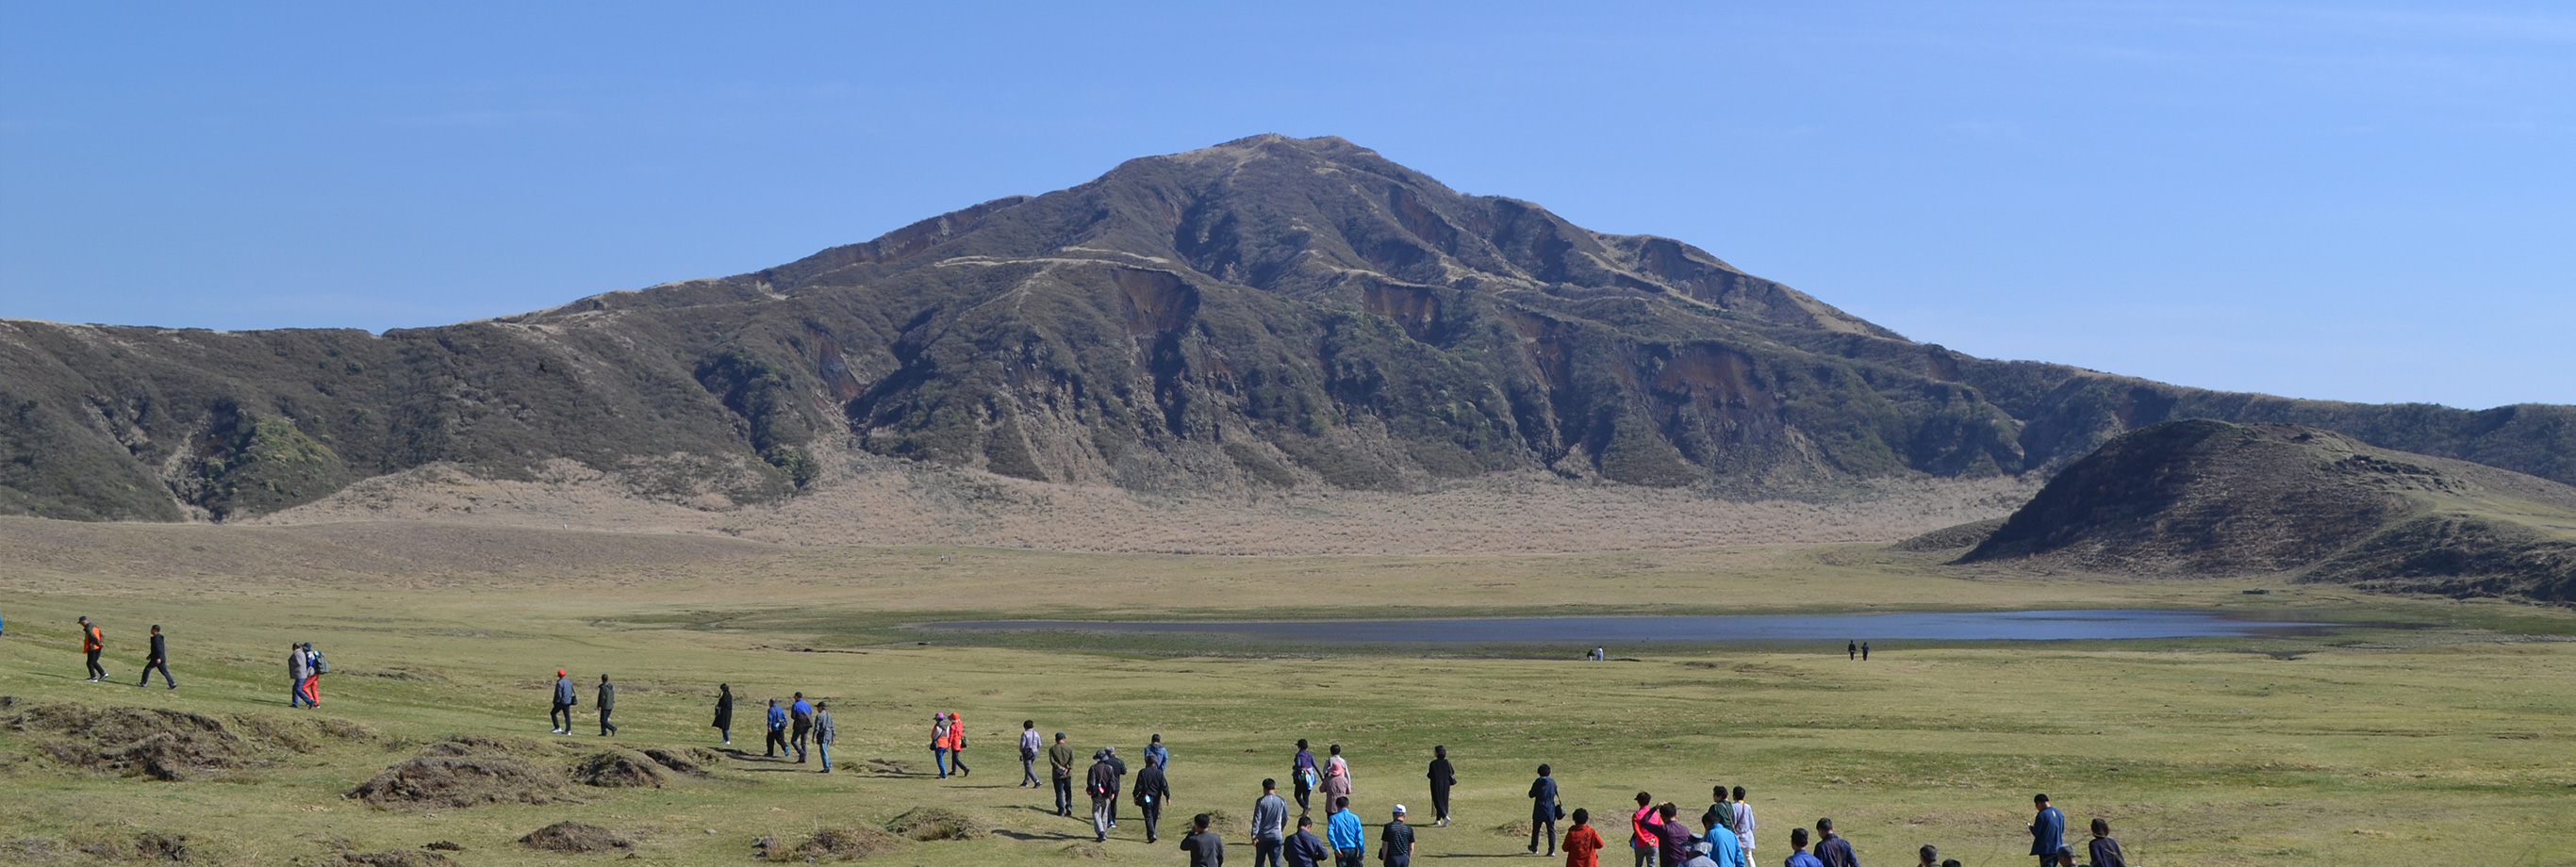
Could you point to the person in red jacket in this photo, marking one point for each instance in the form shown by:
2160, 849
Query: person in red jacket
1582, 844
1642, 830
93, 641
957, 745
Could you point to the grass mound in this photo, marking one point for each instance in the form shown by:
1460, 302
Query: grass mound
575, 838
937, 823
462, 772
1086, 850
146, 846
398, 858
1518, 828
677, 761
157, 743
617, 769
838, 844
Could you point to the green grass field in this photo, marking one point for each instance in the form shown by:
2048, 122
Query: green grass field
2445, 741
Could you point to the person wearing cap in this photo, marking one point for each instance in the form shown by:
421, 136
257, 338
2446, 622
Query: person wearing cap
1060, 760
1120, 782
1205, 847
800, 714
92, 643
1342, 829
1102, 784
560, 719
825, 733
1700, 856
1395, 841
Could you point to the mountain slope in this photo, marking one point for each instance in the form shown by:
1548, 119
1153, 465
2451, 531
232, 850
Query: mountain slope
2212, 498
1266, 313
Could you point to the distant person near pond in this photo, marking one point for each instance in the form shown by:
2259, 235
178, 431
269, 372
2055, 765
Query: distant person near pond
1864, 651
1852, 649
1443, 776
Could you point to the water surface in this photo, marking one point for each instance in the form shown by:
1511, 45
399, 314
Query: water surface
1917, 626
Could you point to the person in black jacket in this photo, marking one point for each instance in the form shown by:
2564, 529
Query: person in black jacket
1443, 775
724, 711
1101, 782
1116, 783
1304, 849
159, 659
607, 703
1543, 808
1151, 792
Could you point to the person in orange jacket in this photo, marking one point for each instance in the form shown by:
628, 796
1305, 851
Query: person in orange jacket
957, 745
1582, 844
93, 641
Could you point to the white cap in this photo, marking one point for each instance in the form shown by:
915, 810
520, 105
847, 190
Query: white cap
1399, 809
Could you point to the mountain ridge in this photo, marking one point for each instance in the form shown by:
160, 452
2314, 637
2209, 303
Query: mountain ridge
1269, 312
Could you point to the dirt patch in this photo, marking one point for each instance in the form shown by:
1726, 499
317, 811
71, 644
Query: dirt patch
938, 823
398, 858
889, 766
617, 769
161, 744
676, 761
1516, 828
1086, 851
576, 838
837, 844
463, 772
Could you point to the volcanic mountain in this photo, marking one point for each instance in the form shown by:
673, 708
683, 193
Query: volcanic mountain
1266, 313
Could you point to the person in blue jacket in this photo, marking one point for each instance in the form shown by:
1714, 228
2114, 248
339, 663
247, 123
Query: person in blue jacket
2047, 832
1342, 830
777, 743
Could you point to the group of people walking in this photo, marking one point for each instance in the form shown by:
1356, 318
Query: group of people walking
559, 719
94, 644
790, 730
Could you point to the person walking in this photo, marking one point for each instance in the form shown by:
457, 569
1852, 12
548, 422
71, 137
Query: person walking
1060, 763
800, 715
1337, 775
607, 704
939, 743
1544, 810
1798, 856
1643, 838
1102, 784
957, 745
724, 712
1852, 649
1156, 754
1301, 773
1582, 844
1831, 848
1723, 849
1029, 748
776, 722
559, 720
1303, 848
314, 668
1119, 782
1744, 822
159, 659
296, 667
2047, 832
1205, 847
1395, 841
825, 733
1342, 829
1864, 651
93, 642
1269, 825
1151, 793
1443, 776
2106, 851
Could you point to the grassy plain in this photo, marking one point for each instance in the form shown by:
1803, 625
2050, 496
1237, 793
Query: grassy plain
2377, 746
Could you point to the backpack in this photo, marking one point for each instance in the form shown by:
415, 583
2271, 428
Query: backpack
320, 665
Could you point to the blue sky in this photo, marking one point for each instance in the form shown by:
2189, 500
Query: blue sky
2362, 202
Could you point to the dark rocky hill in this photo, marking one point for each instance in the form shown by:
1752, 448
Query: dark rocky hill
1268, 312
2211, 498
